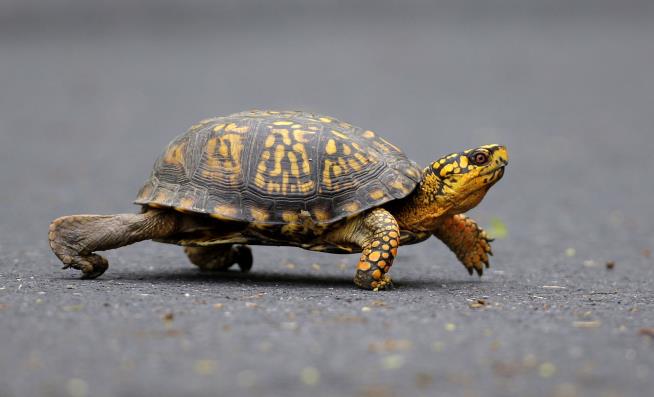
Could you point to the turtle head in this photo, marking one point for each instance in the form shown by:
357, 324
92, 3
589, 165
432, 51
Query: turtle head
460, 180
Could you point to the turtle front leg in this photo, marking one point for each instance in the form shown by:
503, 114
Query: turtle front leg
220, 257
378, 235
467, 240
73, 239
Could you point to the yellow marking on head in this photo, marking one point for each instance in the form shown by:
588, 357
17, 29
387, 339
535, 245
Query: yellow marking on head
446, 169
270, 140
284, 133
259, 214
281, 122
352, 206
368, 134
346, 149
330, 148
295, 126
273, 112
313, 128
325, 119
463, 162
232, 127
339, 134
377, 194
224, 210
218, 127
344, 124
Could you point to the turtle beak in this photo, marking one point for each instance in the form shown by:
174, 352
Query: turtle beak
502, 156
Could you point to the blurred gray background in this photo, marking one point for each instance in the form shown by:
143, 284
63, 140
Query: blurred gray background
92, 91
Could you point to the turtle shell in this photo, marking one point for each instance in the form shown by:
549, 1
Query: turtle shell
278, 167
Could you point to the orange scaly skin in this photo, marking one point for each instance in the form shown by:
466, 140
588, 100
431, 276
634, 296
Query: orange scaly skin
467, 240
379, 250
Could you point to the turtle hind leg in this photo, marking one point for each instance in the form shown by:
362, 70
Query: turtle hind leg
74, 238
220, 257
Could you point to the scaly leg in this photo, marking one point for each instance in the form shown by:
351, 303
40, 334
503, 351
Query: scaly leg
467, 240
378, 235
220, 257
74, 238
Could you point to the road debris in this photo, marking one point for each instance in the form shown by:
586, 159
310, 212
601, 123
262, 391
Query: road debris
497, 229
610, 265
389, 345
647, 331
310, 376
477, 303
205, 367
546, 370
586, 324
394, 361
77, 388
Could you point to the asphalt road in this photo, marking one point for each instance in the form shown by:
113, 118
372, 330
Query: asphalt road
89, 97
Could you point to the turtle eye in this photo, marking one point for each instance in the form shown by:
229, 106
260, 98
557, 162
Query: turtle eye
480, 158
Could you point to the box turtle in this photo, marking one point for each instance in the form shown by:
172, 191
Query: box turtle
297, 179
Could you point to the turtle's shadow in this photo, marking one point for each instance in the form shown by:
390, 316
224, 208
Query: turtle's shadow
263, 278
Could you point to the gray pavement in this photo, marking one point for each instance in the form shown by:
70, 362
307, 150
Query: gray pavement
91, 94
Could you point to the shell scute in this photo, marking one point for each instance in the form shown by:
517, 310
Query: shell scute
270, 167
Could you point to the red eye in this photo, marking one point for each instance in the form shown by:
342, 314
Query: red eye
480, 158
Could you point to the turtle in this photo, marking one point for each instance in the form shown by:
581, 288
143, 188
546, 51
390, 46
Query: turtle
293, 178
